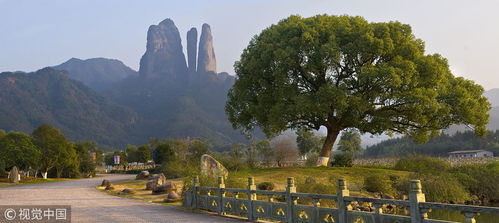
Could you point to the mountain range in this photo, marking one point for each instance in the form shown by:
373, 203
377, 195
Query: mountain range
103, 100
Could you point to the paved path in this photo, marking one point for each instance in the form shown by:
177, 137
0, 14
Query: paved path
90, 205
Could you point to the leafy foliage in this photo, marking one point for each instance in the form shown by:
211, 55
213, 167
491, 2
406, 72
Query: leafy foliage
350, 142
342, 159
164, 153
16, 149
344, 72
379, 183
87, 164
53, 146
422, 164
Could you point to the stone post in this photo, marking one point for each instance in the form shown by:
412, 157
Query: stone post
195, 181
290, 189
415, 197
378, 210
251, 197
14, 175
342, 205
470, 217
221, 195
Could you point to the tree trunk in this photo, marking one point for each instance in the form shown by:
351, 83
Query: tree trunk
323, 159
45, 174
58, 172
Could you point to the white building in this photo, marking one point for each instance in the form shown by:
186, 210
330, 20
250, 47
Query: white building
471, 154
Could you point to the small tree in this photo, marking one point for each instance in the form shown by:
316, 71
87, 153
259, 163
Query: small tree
343, 72
164, 153
144, 153
87, 165
132, 153
284, 151
53, 146
265, 151
350, 142
196, 149
307, 141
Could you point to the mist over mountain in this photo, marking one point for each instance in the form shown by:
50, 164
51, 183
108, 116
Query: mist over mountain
50, 96
99, 74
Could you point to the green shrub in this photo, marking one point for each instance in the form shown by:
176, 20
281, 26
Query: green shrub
312, 159
481, 180
342, 160
232, 164
379, 183
422, 164
438, 188
316, 188
176, 169
265, 186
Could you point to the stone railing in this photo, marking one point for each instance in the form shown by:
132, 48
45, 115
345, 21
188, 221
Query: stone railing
244, 202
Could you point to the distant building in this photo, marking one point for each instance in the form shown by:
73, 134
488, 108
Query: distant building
471, 154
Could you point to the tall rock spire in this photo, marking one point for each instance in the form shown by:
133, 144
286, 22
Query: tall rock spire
192, 43
206, 56
164, 55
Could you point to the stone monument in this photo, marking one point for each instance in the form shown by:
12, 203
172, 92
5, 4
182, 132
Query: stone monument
14, 175
211, 167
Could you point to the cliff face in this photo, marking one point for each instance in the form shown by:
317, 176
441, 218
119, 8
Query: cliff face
192, 43
164, 56
206, 57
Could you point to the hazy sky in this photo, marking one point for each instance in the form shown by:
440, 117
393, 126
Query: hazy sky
35, 34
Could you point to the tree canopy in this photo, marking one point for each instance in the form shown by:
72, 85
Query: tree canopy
16, 149
343, 72
53, 146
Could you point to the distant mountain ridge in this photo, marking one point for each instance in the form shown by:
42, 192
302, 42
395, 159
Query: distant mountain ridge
99, 74
50, 96
493, 96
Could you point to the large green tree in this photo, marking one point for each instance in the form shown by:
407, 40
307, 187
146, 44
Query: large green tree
343, 72
53, 146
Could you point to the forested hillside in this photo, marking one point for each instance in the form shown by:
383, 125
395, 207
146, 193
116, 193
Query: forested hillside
439, 146
50, 97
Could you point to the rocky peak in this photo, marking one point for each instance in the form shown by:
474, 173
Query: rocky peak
164, 55
192, 42
206, 54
